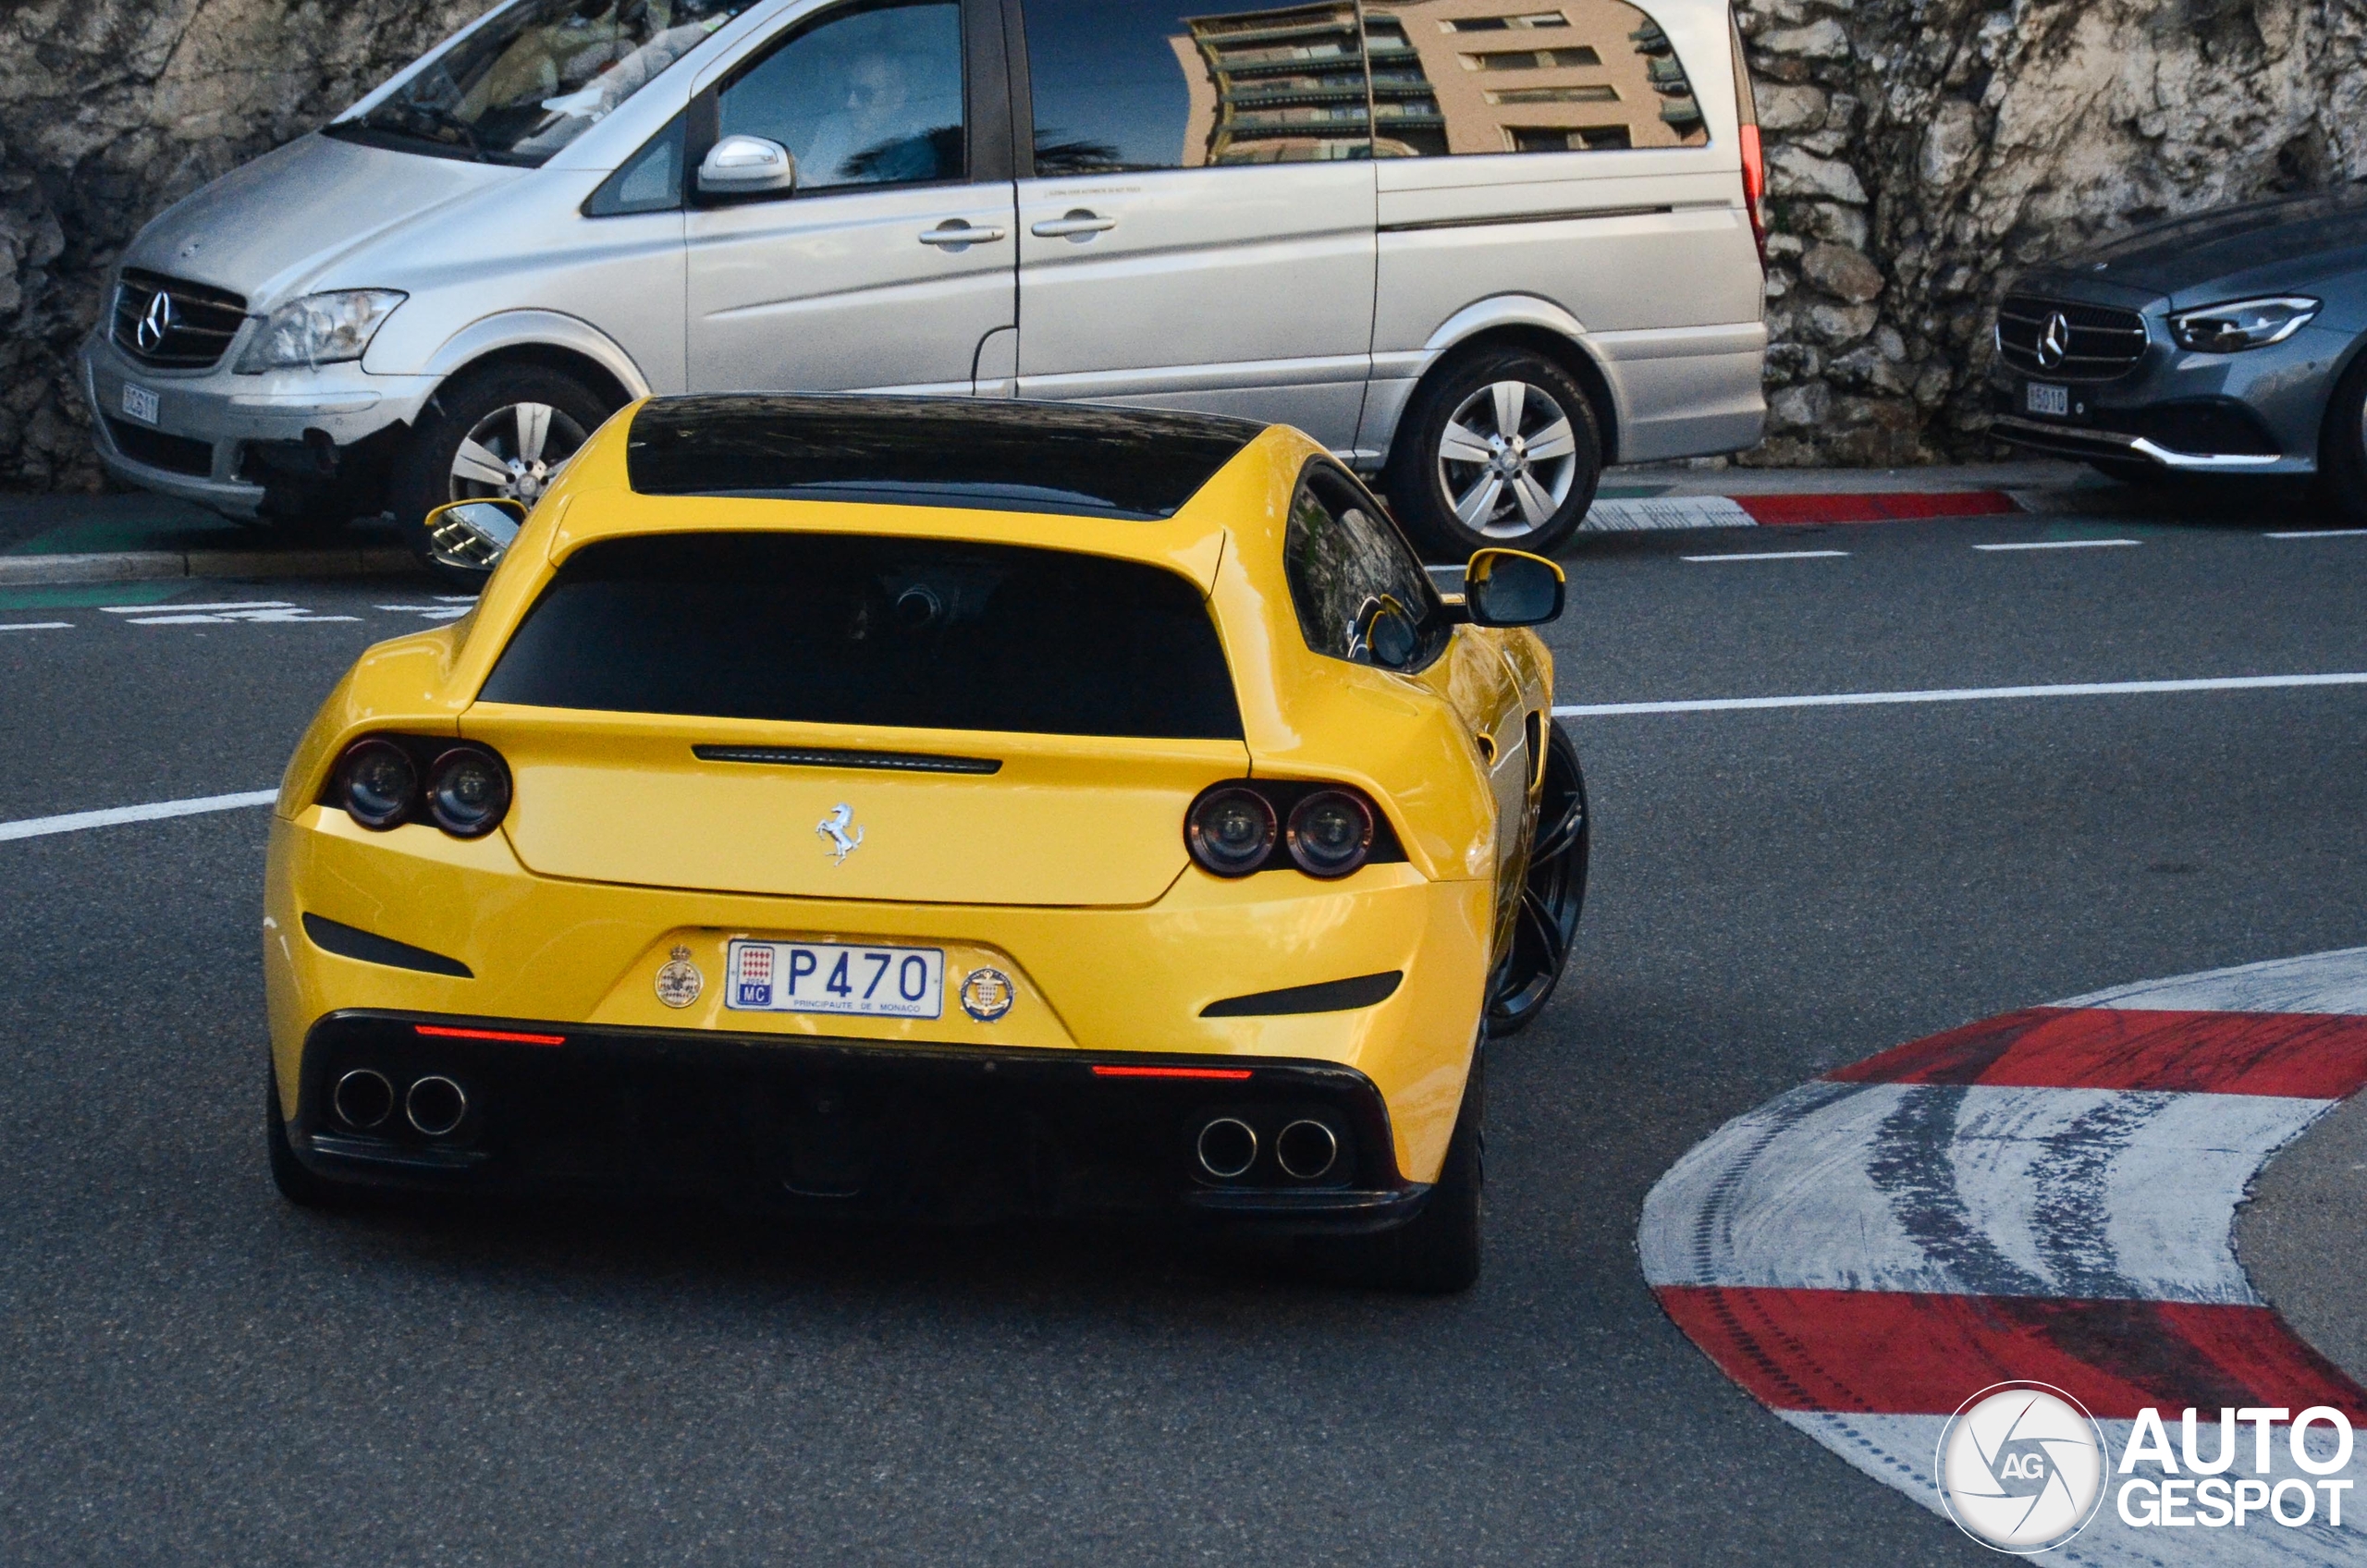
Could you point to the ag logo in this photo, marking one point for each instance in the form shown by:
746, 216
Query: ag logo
2021, 1467
156, 321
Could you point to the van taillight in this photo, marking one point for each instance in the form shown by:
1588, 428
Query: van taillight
1754, 189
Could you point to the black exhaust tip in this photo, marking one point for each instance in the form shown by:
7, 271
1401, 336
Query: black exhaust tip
1306, 1149
362, 1099
1228, 1147
435, 1106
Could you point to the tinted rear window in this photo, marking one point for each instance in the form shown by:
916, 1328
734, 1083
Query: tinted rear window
944, 451
847, 628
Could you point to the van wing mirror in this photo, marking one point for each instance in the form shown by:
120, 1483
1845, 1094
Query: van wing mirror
1512, 588
474, 535
741, 165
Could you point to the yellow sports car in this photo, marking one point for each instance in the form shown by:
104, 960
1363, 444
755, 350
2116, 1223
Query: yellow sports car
934, 806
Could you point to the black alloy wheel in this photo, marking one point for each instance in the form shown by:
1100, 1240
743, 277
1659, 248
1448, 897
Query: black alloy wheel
2342, 445
1552, 894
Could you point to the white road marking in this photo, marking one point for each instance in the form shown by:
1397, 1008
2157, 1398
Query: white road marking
1964, 695
1769, 556
1649, 514
432, 612
2319, 533
39, 626
2061, 544
2335, 982
74, 822
278, 615
472, 598
157, 609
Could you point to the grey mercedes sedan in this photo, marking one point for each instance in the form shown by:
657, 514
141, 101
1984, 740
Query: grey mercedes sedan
2223, 343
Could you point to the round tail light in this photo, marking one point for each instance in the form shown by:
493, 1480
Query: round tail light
1231, 830
467, 792
381, 784
1330, 833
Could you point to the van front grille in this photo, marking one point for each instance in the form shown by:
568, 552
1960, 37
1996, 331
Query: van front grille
190, 331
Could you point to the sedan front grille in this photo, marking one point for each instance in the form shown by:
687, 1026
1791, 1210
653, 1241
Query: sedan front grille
2090, 342
191, 332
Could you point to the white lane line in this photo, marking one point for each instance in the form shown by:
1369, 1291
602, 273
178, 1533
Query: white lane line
38, 626
2062, 544
1965, 694
74, 822
190, 609
1769, 556
2319, 533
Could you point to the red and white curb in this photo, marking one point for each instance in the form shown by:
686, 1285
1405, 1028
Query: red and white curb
2047, 1195
1657, 512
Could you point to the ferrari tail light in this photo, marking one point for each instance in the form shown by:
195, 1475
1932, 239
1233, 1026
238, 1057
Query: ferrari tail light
1326, 830
379, 783
383, 782
1330, 833
1231, 830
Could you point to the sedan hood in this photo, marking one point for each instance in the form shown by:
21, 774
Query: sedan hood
2262, 245
270, 228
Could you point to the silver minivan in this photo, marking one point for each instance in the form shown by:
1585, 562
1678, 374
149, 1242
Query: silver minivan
1480, 247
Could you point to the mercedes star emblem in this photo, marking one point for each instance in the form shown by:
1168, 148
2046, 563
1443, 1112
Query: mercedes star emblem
2055, 342
156, 321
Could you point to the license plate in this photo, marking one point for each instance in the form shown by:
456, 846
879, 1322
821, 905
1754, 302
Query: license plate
827, 977
2040, 398
139, 403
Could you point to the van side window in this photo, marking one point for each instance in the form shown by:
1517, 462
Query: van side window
1150, 84
649, 181
866, 95
1361, 595
1509, 76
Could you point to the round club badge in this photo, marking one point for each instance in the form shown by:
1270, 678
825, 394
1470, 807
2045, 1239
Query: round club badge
987, 995
680, 982
2021, 1467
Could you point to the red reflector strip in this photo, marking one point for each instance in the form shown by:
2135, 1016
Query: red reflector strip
1230, 1075
511, 1035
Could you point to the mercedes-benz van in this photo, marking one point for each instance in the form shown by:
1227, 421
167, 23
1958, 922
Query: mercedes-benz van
1480, 247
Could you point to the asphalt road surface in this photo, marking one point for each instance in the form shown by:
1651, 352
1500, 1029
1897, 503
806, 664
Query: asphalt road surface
192, 1371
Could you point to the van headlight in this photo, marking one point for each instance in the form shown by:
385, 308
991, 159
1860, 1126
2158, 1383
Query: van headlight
2240, 325
319, 329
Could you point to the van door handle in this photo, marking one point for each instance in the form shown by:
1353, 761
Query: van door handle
1078, 223
955, 233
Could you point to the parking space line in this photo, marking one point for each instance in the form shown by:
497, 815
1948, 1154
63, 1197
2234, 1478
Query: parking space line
74, 822
38, 626
2318, 533
1769, 556
1965, 694
2061, 544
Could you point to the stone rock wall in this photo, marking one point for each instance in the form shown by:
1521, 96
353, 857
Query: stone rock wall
1919, 150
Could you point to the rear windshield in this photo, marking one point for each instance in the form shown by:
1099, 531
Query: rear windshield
1060, 458
848, 629
537, 76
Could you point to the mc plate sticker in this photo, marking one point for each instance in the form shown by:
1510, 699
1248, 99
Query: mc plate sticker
832, 977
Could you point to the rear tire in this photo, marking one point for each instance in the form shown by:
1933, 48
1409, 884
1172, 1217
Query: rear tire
499, 430
1552, 894
1438, 1252
294, 1179
1500, 447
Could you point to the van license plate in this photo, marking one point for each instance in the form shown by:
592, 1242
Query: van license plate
139, 403
2046, 399
828, 977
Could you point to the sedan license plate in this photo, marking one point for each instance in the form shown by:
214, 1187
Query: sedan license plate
828, 977
139, 403
2040, 398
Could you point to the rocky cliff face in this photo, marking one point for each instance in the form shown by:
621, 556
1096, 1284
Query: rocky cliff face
1919, 150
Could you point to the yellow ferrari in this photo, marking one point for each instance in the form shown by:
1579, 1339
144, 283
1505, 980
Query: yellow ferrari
918, 806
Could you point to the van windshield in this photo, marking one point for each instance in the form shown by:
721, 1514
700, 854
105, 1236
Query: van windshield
536, 76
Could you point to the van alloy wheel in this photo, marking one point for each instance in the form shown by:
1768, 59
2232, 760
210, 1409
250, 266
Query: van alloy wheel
1506, 459
514, 452
1552, 894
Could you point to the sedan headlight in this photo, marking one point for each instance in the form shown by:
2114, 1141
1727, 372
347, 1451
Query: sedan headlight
319, 329
2245, 323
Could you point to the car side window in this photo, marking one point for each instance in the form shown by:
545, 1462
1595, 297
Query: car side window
1361, 595
1150, 84
1453, 76
866, 95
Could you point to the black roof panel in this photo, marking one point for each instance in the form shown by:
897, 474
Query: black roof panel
997, 455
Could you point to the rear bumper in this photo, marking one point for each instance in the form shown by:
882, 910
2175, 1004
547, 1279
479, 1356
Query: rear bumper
841, 1126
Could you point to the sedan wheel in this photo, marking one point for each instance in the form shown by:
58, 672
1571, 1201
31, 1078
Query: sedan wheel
1552, 896
1506, 460
515, 453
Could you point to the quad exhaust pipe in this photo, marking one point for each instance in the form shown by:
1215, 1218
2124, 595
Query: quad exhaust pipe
364, 1100
1306, 1149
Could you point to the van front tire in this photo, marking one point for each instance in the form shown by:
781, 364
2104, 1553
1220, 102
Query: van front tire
497, 430
1500, 448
